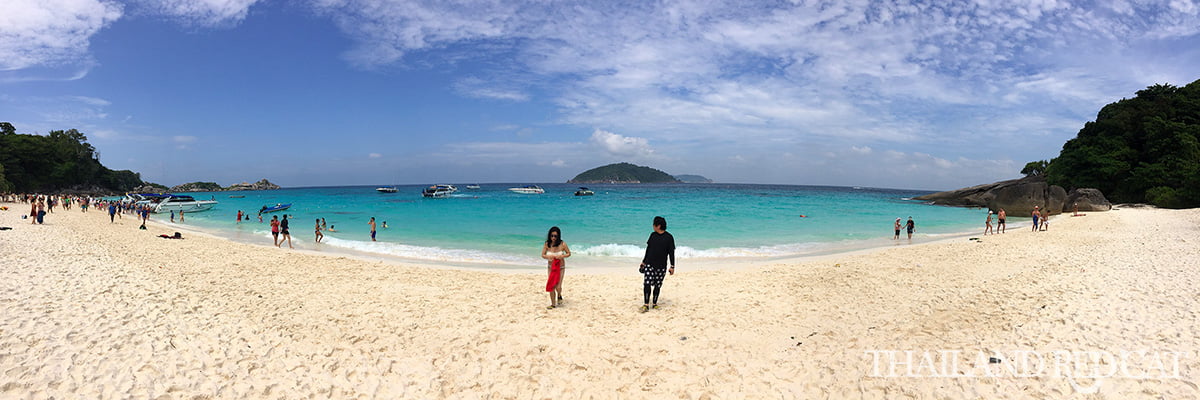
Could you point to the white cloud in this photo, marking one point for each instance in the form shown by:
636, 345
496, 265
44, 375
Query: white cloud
51, 32
183, 139
200, 12
374, 155
622, 146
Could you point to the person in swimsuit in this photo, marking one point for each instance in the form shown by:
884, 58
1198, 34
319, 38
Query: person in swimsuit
317, 229
1000, 221
555, 251
372, 224
912, 226
275, 229
33, 212
660, 248
989, 224
1035, 214
897, 227
283, 230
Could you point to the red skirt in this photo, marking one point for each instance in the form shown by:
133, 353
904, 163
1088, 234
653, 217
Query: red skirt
555, 274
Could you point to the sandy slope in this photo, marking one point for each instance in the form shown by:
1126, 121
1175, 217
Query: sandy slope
99, 310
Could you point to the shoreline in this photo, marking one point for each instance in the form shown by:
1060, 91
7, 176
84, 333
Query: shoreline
593, 264
99, 310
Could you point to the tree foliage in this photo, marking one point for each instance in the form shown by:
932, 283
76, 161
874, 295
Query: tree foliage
1035, 168
56, 161
1144, 149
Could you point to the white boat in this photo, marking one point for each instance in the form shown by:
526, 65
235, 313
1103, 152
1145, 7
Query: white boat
439, 191
161, 203
473, 187
387, 189
584, 192
528, 189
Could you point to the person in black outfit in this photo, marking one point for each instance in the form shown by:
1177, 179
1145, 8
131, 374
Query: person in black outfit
659, 248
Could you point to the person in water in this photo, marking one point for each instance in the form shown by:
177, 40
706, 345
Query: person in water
283, 231
317, 229
555, 251
372, 224
896, 226
660, 248
911, 226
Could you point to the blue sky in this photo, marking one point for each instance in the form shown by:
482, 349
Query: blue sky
901, 94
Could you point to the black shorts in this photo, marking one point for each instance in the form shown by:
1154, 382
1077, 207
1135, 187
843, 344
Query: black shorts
897, 231
275, 234
285, 232
1001, 220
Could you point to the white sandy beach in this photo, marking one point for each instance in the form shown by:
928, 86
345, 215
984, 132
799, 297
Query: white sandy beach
99, 310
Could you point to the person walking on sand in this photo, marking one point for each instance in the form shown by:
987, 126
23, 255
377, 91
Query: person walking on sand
372, 224
555, 251
989, 224
1000, 221
317, 228
275, 229
1035, 215
660, 248
911, 226
283, 231
896, 226
112, 213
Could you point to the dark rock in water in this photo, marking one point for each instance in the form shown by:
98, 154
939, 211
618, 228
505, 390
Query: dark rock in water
1087, 199
1017, 197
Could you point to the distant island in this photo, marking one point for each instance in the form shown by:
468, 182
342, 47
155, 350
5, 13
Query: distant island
693, 179
207, 187
623, 173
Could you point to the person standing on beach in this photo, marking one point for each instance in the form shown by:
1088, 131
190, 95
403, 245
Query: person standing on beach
275, 229
1000, 221
555, 251
989, 224
912, 226
318, 231
283, 230
372, 224
896, 225
112, 213
1035, 214
660, 248
41, 213
33, 212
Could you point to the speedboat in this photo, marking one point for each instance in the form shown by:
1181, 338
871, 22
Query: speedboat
584, 192
439, 191
164, 202
473, 186
274, 208
528, 189
387, 189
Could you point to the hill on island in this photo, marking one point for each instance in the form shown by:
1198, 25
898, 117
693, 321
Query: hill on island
1144, 149
58, 162
623, 173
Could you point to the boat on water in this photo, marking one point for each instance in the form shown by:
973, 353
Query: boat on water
527, 189
387, 189
473, 186
439, 191
166, 202
274, 208
237, 196
584, 192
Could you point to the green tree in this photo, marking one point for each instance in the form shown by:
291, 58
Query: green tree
1035, 168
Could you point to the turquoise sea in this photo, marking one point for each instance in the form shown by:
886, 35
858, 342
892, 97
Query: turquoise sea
492, 225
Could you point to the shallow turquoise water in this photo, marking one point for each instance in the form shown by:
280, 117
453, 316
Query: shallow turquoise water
494, 225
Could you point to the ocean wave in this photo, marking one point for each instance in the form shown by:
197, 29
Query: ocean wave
628, 250
431, 253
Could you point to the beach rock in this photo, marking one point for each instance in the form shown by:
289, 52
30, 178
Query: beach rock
1017, 196
1087, 199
